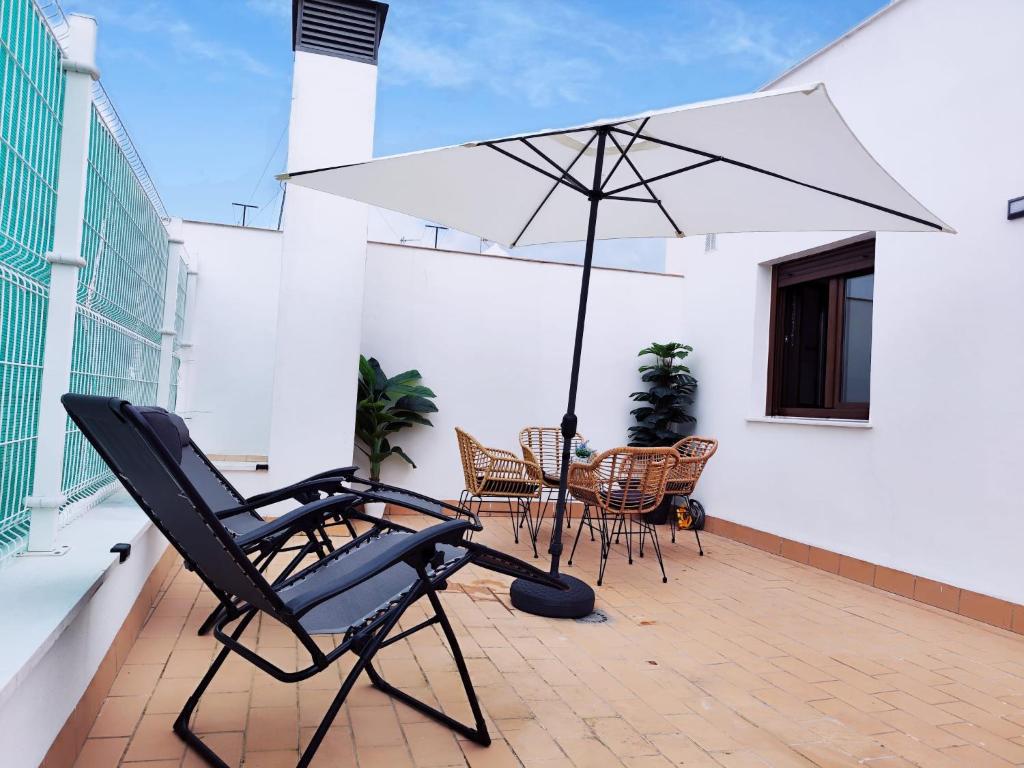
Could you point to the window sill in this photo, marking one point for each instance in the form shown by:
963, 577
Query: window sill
842, 423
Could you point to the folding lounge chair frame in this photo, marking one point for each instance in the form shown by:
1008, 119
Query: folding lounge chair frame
391, 567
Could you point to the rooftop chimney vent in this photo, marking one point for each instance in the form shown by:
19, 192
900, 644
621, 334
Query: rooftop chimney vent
350, 29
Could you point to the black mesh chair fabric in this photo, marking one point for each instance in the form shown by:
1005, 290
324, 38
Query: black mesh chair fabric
145, 466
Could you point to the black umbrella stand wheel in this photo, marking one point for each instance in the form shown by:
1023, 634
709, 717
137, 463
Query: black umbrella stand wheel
575, 603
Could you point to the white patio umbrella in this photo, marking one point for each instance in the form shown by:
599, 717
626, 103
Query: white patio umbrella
775, 161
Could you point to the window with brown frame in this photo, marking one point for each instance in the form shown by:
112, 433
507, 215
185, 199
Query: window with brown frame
819, 361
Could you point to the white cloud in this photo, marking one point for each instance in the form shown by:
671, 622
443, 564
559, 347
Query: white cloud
156, 18
737, 36
561, 52
539, 52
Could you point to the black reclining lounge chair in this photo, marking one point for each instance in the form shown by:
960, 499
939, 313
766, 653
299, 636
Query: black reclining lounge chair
257, 536
254, 534
358, 592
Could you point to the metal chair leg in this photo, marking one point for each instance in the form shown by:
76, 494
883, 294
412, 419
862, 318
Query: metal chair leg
476, 734
606, 546
532, 527
181, 726
512, 513
579, 529
657, 551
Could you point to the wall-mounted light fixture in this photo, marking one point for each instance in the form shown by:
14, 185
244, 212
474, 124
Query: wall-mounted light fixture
1015, 208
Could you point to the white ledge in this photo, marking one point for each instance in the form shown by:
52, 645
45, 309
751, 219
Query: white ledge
40, 597
843, 423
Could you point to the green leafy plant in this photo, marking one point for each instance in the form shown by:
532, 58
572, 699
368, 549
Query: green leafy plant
383, 407
583, 451
665, 402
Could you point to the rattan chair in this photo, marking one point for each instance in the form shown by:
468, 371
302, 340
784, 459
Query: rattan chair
493, 474
618, 488
543, 446
693, 454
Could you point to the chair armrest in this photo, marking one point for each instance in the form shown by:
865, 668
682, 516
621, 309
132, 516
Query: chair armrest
315, 484
511, 467
417, 502
346, 473
417, 549
300, 518
582, 478
500, 453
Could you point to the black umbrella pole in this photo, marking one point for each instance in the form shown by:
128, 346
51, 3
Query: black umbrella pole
579, 599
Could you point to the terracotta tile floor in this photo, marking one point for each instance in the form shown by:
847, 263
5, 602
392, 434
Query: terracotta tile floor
742, 659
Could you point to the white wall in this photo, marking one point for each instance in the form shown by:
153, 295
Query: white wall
931, 487
233, 323
324, 249
493, 338
61, 617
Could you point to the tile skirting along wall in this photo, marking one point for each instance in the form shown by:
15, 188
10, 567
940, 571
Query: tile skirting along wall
973, 605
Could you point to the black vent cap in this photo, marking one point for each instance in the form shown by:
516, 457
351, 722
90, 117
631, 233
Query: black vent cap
349, 29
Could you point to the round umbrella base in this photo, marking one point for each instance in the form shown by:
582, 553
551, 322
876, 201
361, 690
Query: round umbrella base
574, 603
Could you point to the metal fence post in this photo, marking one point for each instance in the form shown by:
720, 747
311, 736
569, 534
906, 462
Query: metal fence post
185, 342
167, 330
65, 262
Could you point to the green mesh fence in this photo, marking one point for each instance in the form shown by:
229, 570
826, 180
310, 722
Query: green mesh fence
108, 359
120, 304
179, 329
31, 103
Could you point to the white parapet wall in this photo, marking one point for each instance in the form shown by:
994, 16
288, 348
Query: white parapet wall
233, 327
493, 337
930, 485
60, 618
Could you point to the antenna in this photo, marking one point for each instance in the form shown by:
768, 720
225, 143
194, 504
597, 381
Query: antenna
437, 230
245, 209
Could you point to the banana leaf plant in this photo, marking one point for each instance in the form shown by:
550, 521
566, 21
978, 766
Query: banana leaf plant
385, 406
665, 402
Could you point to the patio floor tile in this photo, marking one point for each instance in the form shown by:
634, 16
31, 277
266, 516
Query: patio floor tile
743, 659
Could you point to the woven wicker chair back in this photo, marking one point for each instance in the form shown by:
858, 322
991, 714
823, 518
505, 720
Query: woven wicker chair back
624, 480
693, 453
543, 445
496, 472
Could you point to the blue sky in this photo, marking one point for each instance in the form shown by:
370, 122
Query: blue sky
203, 85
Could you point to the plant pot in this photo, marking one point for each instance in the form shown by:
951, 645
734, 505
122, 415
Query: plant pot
660, 514
374, 508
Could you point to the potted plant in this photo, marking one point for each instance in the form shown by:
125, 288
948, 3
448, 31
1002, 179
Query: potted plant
583, 452
385, 406
665, 403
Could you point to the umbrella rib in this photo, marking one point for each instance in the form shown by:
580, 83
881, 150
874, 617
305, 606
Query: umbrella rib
781, 177
627, 199
622, 152
564, 171
646, 183
557, 179
660, 176
551, 191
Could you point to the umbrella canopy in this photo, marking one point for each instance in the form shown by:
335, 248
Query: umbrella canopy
777, 161
774, 161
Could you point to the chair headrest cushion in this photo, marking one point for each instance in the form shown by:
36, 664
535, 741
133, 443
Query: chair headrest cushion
169, 427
